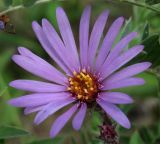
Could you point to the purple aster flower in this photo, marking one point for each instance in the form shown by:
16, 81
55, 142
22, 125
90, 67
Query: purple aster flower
84, 79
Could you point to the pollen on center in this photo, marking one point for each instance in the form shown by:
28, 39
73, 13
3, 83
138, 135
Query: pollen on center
83, 86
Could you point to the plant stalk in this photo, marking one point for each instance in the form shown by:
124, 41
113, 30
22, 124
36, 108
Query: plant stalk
140, 4
13, 8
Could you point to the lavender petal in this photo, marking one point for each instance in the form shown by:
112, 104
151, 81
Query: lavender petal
116, 97
108, 41
66, 33
29, 110
62, 120
37, 86
83, 35
120, 46
40, 68
123, 83
96, 35
115, 113
51, 108
106, 70
79, 117
129, 71
47, 46
37, 99
58, 45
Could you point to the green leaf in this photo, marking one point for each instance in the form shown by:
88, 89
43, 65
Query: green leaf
136, 139
5, 58
146, 134
127, 27
8, 2
96, 141
73, 140
151, 51
152, 48
56, 140
145, 31
7, 132
28, 3
152, 2
3, 91
2, 141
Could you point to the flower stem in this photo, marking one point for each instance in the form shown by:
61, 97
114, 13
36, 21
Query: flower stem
108, 132
13, 8
140, 4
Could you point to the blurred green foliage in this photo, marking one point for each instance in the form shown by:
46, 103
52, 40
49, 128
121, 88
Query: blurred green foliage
11, 132
144, 113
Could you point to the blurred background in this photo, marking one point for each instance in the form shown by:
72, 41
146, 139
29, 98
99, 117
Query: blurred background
16, 128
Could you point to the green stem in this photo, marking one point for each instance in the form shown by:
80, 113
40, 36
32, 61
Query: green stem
13, 8
140, 4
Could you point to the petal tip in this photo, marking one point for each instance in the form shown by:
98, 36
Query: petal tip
14, 58
76, 128
52, 134
127, 125
11, 102
134, 34
36, 122
88, 7
59, 10
44, 21
12, 83
35, 25
148, 64
141, 47
121, 19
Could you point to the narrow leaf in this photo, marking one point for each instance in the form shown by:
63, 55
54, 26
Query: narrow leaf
152, 2
145, 31
136, 139
56, 140
7, 132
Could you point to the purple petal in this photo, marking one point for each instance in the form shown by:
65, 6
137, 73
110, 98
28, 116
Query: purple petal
120, 46
123, 83
79, 117
37, 99
106, 70
36, 86
129, 71
109, 41
115, 113
61, 121
58, 45
27, 53
29, 110
51, 108
40, 68
66, 33
47, 46
96, 35
84, 34
116, 97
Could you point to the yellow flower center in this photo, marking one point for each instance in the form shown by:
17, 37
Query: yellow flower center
83, 86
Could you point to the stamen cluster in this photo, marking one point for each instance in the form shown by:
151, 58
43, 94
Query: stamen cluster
83, 85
